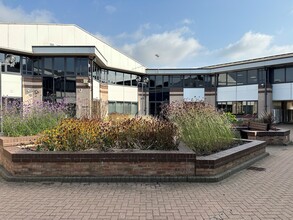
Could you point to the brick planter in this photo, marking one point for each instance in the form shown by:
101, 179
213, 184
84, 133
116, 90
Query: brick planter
272, 137
21, 163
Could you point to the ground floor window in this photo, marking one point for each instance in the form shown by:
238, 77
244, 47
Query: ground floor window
239, 107
129, 108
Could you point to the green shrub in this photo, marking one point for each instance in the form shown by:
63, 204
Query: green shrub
201, 127
231, 117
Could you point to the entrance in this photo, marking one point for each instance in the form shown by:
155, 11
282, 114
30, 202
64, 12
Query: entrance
283, 111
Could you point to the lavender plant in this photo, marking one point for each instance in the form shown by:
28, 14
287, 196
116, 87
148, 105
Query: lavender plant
23, 119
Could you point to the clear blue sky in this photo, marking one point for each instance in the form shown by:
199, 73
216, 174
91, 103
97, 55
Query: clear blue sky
184, 33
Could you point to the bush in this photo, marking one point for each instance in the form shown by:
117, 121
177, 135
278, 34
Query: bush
201, 127
126, 133
21, 119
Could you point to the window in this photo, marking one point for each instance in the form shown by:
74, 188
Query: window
165, 81
48, 66
27, 66
127, 79
37, 66
82, 67
133, 80
111, 77
119, 78
239, 107
241, 78
252, 77
289, 74
176, 81
59, 66
279, 75
159, 81
231, 79
15, 68
70, 66
152, 81
222, 79
187, 81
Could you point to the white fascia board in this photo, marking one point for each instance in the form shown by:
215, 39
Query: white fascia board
254, 65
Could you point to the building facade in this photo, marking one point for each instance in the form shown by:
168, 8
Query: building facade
65, 63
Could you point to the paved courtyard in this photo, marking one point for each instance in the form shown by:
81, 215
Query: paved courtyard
250, 194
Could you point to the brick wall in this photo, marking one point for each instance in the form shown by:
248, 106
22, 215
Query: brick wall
21, 162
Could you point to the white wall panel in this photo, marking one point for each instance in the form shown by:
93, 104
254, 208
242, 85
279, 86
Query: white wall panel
237, 93
122, 93
130, 94
30, 37
11, 85
226, 94
247, 93
96, 89
4, 35
193, 94
43, 35
16, 37
115, 93
282, 91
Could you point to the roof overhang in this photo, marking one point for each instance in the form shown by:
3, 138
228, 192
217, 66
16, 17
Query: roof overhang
90, 51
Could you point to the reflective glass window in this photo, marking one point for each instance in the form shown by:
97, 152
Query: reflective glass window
231, 79
70, 66
59, 66
279, 75
119, 78
48, 66
176, 81
111, 77
241, 78
252, 77
15, 67
289, 74
166, 81
159, 81
222, 79
127, 79
152, 81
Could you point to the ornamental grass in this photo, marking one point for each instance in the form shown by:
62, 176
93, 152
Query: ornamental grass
201, 126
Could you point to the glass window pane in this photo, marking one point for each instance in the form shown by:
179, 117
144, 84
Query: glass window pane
222, 79
82, 66
70, 66
289, 74
252, 77
159, 81
242, 78
133, 80
59, 66
48, 86
187, 81
48, 66
279, 75
152, 81
111, 77
231, 79
37, 66
59, 86
134, 109
112, 107
127, 79
119, 78
176, 81
166, 81
15, 68
119, 107
127, 108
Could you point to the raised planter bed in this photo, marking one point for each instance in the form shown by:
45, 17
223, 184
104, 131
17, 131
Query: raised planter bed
272, 137
181, 165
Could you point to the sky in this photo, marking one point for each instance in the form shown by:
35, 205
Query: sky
171, 33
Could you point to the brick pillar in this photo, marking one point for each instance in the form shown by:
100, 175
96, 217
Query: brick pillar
32, 89
265, 103
176, 94
210, 96
83, 97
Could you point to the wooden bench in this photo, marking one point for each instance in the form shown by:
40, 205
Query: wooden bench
258, 126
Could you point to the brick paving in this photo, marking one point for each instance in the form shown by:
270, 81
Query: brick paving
249, 194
